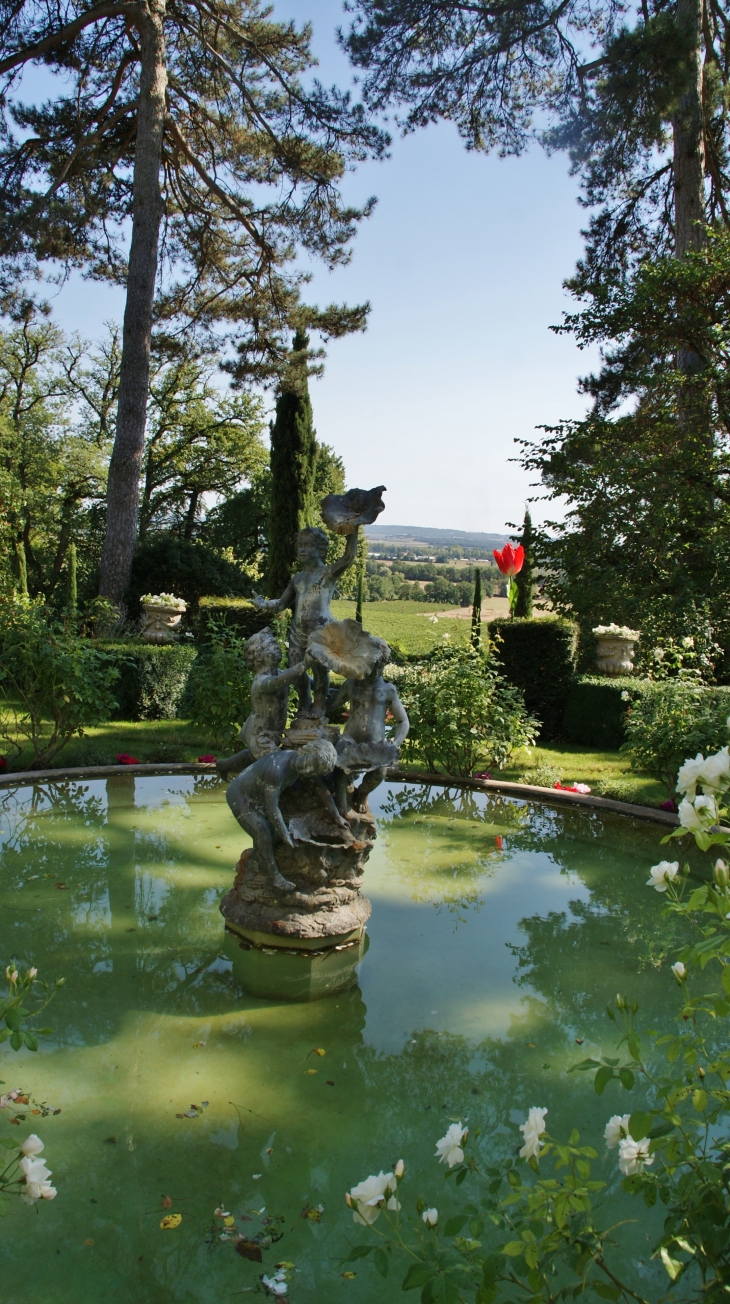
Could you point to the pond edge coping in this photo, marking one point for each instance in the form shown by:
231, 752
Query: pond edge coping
24, 777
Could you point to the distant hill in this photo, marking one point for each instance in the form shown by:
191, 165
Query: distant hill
418, 534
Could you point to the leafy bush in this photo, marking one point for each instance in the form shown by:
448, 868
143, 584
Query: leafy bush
239, 614
672, 721
462, 712
218, 692
153, 679
55, 684
186, 569
539, 658
596, 708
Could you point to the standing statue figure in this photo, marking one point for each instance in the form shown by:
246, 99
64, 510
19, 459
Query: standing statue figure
363, 745
262, 731
253, 796
309, 592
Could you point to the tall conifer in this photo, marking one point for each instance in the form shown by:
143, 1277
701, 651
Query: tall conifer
293, 467
476, 611
526, 578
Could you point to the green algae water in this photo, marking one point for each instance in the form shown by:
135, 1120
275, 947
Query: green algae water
500, 930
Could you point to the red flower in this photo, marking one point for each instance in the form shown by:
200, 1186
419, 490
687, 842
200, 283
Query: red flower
510, 560
125, 759
206, 760
3, 764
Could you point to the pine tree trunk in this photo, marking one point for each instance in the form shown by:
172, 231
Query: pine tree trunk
126, 460
689, 142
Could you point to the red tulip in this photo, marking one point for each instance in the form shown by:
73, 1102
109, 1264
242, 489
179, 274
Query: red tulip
510, 560
125, 759
206, 760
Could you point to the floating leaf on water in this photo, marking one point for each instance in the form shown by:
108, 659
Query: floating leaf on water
310, 1070
349, 1275
314, 1215
317, 1050
167, 1201
204, 1104
249, 1250
62, 886
229, 1220
110, 1140
330, 1083
89, 1242
198, 1043
287, 1265
171, 1221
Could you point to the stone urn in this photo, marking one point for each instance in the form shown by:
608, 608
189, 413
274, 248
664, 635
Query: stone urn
161, 616
615, 649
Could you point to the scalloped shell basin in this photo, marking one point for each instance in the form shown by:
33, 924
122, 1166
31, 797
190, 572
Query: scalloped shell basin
180, 1094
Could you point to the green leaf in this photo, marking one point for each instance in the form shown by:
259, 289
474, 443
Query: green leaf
16, 1041
13, 1019
602, 1079
9, 1143
627, 1078
454, 1225
604, 1290
639, 1125
584, 1066
417, 1275
30, 1040
490, 1267
461, 1175
514, 1248
381, 1261
358, 1252
673, 1266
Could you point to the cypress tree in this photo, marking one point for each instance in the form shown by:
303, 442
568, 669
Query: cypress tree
293, 467
358, 606
22, 568
526, 578
476, 611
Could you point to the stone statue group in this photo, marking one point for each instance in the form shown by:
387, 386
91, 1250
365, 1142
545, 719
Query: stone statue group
328, 813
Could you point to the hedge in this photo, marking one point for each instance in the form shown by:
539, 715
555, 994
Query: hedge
538, 657
153, 678
238, 613
595, 709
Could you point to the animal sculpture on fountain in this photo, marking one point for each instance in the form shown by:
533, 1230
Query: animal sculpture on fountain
253, 796
263, 730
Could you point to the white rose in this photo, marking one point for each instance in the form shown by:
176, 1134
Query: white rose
369, 1197
616, 1128
697, 816
633, 1156
716, 769
679, 971
532, 1130
662, 874
430, 1217
32, 1145
689, 775
449, 1148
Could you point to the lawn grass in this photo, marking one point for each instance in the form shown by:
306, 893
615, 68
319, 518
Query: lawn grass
408, 624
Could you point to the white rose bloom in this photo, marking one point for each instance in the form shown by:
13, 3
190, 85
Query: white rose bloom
369, 1197
663, 873
32, 1145
394, 1205
716, 769
633, 1156
689, 775
706, 808
449, 1148
679, 971
616, 1128
430, 1217
275, 1285
36, 1180
532, 1130
48, 1192
399, 1169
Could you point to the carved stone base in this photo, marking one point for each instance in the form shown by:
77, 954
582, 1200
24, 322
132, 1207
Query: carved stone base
326, 865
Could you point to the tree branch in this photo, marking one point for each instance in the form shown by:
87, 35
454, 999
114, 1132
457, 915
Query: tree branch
69, 32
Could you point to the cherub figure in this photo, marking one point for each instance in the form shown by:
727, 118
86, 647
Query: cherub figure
363, 745
253, 796
309, 592
262, 731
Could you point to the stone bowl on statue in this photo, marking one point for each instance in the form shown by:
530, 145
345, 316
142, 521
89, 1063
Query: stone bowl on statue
343, 647
344, 512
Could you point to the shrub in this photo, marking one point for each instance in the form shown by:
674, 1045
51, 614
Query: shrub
673, 721
462, 712
218, 692
153, 678
596, 707
189, 570
55, 684
239, 614
538, 657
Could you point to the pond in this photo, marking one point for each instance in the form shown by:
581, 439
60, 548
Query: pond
500, 930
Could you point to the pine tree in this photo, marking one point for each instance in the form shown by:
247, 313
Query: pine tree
293, 468
476, 611
526, 578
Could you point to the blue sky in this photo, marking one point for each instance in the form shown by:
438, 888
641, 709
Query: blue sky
463, 262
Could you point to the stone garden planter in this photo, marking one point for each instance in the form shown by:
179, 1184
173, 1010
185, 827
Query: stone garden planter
161, 616
615, 649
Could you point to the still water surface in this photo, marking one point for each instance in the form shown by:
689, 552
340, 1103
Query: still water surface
487, 975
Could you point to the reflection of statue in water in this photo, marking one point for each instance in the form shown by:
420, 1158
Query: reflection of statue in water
363, 744
309, 592
263, 730
254, 799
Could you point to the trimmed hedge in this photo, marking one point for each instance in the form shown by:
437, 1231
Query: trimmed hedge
153, 678
595, 709
538, 657
239, 614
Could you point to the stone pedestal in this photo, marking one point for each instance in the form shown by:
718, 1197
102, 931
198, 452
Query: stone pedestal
326, 865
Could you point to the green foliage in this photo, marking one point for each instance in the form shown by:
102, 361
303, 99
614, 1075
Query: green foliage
239, 614
72, 588
462, 712
476, 611
218, 694
24, 989
596, 707
189, 570
153, 678
646, 538
293, 467
674, 720
531, 1224
525, 581
55, 684
538, 657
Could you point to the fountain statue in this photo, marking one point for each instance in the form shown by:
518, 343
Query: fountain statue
297, 889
